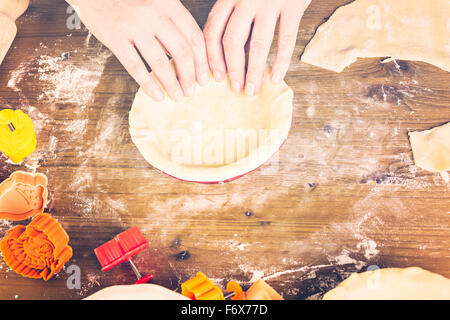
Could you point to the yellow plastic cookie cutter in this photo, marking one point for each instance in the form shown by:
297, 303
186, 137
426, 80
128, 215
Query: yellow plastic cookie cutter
201, 288
17, 135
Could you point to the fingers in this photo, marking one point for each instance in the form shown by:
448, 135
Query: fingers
157, 59
234, 40
289, 24
194, 35
214, 31
133, 63
181, 51
260, 43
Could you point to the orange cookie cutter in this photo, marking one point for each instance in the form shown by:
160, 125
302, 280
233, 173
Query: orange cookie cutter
201, 288
38, 250
234, 291
23, 195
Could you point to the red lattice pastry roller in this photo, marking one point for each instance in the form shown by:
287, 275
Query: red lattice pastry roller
122, 248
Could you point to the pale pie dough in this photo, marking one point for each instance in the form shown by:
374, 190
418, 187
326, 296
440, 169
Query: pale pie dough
431, 148
400, 29
146, 291
392, 284
215, 135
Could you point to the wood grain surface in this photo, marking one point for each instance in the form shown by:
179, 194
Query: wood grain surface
343, 194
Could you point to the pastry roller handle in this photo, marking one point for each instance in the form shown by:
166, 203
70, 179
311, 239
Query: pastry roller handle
140, 278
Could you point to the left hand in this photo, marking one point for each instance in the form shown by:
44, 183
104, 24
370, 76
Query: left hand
233, 23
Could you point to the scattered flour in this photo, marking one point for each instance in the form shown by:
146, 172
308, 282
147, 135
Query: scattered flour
69, 79
350, 252
63, 81
88, 284
75, 127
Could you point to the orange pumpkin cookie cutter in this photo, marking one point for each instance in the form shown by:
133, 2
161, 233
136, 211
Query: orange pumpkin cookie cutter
38, 250
23, 195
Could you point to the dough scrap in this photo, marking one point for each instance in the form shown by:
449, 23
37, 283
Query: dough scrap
392, 284
431, 148
215, 135
400, 29
145, 291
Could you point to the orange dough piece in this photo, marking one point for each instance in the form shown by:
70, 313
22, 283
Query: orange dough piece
260, 290
38, 250
23, 195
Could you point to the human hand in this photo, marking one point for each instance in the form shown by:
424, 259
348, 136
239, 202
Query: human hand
232, 23
150, 28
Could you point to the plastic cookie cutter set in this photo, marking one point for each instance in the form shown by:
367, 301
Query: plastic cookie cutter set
40, 249
23, 195
122, 248
202, 288
17, 135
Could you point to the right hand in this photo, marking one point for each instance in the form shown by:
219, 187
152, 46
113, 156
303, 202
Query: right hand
151, 28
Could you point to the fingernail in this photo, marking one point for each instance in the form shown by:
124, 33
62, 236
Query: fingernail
236, 86
219, 76
204, 79
250, 89
158, 95
178, 95
276, 77
191, 91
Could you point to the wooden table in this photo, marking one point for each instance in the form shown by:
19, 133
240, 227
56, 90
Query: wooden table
342, 195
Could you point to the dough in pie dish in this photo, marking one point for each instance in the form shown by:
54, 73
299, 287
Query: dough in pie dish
392, 284
431, 148
401, 29
214, 136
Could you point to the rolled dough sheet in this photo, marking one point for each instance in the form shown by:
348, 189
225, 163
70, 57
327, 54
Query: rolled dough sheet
214, 136
144, 291
431, 148
401, 29
392, 284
